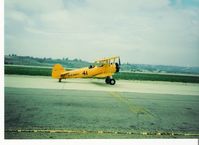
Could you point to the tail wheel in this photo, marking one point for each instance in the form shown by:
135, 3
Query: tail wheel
112, 81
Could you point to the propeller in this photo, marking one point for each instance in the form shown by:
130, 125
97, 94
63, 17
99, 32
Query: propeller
118, 66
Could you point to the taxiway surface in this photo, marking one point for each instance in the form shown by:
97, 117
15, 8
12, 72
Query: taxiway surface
40, 107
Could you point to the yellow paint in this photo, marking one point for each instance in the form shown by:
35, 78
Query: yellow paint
107, 60
132, 107
101, 69
57, 70
144, 133
157, 133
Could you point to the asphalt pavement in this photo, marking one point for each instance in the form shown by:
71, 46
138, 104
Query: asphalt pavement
65, 113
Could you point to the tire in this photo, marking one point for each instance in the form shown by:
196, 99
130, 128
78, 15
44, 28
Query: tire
107, 80
59, 79
112, 81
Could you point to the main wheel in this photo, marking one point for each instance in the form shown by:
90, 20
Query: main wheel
107, 80
59, 79
112, 81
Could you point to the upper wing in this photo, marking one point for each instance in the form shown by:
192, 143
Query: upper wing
107, 60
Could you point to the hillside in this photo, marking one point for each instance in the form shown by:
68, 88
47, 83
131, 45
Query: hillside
77, 63
35, 61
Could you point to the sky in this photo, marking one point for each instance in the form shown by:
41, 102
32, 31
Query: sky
162, 32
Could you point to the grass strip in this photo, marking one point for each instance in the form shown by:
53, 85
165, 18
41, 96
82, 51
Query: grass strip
39, 71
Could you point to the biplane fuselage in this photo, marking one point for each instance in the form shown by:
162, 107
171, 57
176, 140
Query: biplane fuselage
104, 68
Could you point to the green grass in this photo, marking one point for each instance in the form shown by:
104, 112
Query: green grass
157, 77
22, 70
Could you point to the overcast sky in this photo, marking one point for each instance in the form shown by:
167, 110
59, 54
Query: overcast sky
140, 31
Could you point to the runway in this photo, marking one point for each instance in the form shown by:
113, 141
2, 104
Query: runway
156, 87
40, 107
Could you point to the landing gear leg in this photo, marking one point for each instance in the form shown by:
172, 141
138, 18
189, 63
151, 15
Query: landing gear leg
59, 79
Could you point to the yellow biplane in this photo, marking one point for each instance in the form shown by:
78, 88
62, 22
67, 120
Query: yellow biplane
103, 68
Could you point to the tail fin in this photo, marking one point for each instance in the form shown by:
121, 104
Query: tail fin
57, 70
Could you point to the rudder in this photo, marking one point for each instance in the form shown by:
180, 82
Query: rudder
57, 70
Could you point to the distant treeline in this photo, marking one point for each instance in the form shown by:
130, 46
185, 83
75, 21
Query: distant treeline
160, 68
78, 63
36, 61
